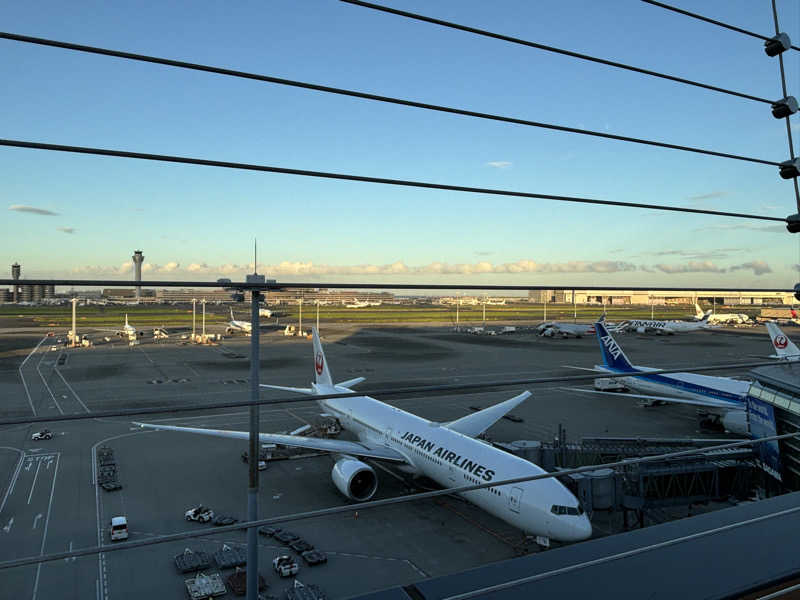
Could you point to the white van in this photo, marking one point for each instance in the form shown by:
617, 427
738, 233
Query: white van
119, 528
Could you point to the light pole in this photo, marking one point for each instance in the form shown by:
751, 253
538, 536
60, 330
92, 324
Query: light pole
317, 315
203, 302
300, 325
574, 308
544, 315
194, 314
74, 325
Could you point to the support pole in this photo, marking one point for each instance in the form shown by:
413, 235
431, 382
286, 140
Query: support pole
300, 324
253, 455
194, 314
574, 308
544, 314
204, 319
318, 315
74, 323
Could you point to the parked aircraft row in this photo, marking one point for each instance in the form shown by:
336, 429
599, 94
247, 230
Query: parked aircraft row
450, 453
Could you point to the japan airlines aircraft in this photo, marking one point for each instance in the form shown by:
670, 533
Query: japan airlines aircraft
785, 348
447, 453
720, 318
664, 327
242, 326
722, 396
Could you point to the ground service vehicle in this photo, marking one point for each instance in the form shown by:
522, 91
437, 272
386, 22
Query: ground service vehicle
201, 514
119, 528
285, 566
44, 434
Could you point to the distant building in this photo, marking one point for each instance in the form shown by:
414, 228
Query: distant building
659, 297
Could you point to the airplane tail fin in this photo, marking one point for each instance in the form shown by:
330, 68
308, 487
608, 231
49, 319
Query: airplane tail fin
232, 318
613, 356
784, 347
321, 372
126, 319
698, 312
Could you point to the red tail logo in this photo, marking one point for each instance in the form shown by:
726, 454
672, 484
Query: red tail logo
318, 363
781, 342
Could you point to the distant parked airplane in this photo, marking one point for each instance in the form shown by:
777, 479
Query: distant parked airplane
664, 327
720, 318
241, 326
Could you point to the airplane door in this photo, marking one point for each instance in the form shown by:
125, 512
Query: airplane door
515, 499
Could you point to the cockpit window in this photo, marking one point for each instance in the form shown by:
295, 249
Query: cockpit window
558, 509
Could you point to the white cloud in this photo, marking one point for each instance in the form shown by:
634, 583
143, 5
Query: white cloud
759, 267
499, 164
32, 209
692, 266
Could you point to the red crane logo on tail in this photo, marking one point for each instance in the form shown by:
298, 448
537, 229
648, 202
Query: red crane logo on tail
781, 342
318, 361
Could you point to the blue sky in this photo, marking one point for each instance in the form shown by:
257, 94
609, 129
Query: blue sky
199, 222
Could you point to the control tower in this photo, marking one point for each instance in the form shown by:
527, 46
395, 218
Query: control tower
16, 271
138, 259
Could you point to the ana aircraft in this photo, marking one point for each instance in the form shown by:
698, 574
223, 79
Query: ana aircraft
240, 326
720, 318
664, 327
722, 396
785, 348
447, 453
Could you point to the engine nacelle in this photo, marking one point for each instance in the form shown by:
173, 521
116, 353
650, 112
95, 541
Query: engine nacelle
354, 479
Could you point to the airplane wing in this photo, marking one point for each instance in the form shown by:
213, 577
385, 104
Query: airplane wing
323, 445
710, 402
351, 382
284, 388
476, 423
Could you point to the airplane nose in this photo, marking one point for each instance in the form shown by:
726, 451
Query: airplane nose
583, 528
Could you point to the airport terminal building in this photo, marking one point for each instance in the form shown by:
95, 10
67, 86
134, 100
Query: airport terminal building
659, 297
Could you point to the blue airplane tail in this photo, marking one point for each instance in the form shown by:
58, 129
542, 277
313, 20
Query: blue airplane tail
613, 356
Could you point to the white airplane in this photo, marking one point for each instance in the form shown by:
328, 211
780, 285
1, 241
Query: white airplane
361, 304
553, 328
785, 348
127, 331
447, 453
664, 327
242, 326
720, 318
724, 397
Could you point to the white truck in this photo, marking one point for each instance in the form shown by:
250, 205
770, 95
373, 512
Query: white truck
119, 528
285, 566
44, 434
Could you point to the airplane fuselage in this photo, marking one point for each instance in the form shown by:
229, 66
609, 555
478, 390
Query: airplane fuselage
241, 325
686, 385
452, 460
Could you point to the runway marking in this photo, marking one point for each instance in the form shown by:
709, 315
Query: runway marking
36, 520
13, 477
69, 387
21, 376
38, 370
46, 524
8, 525
35, 476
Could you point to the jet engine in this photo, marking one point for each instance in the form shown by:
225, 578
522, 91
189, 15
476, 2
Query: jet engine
735, 421
354, 479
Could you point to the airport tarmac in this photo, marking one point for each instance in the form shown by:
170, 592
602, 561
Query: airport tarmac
49, 502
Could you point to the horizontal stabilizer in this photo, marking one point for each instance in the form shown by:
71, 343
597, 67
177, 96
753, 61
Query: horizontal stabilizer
475, 424
351, 382
283, 388
708, 402
297, 441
